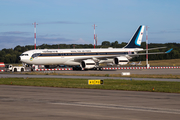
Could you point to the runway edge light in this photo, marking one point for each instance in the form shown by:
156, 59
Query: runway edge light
95, 82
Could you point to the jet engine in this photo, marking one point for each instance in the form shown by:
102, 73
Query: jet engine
50, 66
88, 64
121, 60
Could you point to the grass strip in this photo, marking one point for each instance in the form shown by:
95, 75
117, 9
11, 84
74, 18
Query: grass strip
109, 84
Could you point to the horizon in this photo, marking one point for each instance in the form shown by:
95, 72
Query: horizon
79, 44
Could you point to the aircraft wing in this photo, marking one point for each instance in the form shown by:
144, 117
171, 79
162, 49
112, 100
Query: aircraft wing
152, 53
113, 56
95, 58
153, 48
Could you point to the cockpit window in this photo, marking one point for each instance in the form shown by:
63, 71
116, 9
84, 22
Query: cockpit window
35, 55
24, 55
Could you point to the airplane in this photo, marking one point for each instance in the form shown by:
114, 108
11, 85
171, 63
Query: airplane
135, 63
88, 58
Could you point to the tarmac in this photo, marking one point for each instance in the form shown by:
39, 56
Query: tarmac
44, 103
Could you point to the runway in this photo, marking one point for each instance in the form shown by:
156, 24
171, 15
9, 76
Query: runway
82, 77
26, 102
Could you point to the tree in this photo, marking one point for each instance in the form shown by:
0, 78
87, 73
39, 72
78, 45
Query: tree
114, 44
105, 43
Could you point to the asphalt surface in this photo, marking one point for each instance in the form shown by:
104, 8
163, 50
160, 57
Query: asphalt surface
175, 71
44, 103
26, 102
82, 77
135, 71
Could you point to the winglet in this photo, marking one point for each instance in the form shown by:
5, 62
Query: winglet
169, 50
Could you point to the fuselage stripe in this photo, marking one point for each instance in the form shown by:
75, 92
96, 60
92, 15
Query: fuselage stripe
80, 54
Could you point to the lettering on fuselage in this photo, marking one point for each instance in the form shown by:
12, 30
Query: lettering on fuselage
80, 50
49, 51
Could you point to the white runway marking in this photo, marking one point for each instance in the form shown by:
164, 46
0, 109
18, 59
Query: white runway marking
124, 107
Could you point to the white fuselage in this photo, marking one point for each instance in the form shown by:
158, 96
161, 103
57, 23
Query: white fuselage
74, 56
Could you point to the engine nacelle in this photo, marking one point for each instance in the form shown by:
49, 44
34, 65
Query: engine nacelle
121, 60
88, 64
50, 66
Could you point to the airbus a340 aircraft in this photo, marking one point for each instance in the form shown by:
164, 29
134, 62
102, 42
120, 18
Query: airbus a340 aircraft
88, 58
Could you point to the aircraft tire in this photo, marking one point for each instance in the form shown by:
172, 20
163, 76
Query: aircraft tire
15, 69
22, 69
100, 69
77, 68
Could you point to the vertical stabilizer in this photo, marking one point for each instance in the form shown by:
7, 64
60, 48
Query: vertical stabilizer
136, 40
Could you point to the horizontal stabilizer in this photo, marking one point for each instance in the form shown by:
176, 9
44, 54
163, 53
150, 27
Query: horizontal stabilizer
169, 50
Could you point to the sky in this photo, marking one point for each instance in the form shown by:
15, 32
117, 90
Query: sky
71, 21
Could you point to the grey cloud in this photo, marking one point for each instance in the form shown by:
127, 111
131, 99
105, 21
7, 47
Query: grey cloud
165, 31
45, 40
15, 24
12, 41
28, 24
14, 33
60, 22
50, 35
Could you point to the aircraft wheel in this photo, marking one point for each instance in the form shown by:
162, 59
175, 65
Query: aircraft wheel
15, 69
74, 68
22, 69
100, 69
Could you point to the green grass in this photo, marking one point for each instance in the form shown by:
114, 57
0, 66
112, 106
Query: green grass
129, 85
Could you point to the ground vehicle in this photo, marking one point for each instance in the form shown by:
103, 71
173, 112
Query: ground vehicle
14, 68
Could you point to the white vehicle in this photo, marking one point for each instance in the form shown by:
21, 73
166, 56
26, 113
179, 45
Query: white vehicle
14, 68
87, 58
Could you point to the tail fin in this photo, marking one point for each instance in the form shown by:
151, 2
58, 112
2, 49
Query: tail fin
135, 41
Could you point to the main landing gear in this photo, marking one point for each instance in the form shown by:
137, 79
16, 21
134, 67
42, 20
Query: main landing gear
78, 68
98, 68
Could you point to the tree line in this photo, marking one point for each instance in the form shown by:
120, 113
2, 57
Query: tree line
12, 55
